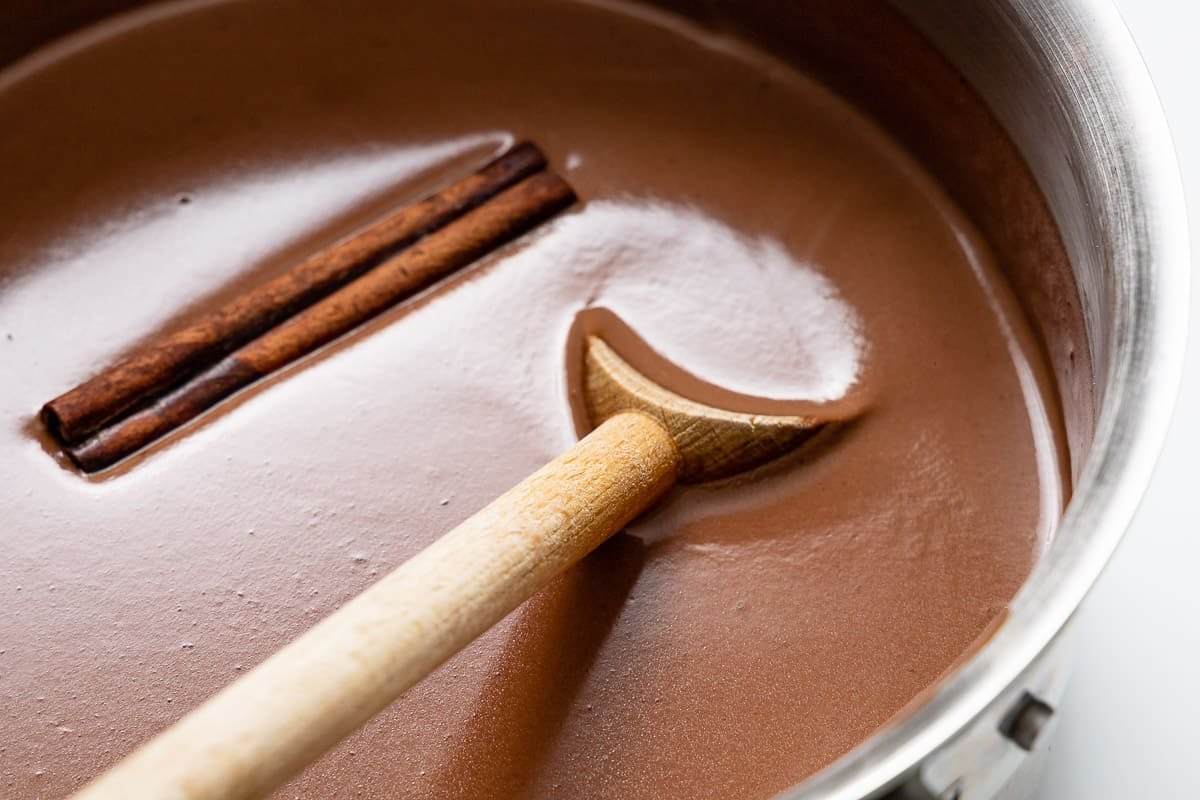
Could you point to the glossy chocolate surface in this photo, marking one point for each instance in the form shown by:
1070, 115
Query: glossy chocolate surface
761, 235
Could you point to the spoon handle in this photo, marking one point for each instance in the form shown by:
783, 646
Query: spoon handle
265, 727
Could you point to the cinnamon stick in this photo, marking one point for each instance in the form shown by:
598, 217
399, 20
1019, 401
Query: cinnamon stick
153, 369
499, 220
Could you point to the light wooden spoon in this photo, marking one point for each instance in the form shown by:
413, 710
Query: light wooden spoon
264, 728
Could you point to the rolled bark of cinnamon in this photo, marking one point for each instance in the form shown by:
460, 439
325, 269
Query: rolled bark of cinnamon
167, 361
498, 221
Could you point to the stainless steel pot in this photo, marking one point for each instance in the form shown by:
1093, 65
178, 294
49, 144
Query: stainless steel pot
1064, 79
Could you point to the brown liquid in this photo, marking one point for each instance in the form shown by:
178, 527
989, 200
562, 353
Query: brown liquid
736, 639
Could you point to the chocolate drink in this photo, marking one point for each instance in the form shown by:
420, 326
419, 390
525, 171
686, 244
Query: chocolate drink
752, 228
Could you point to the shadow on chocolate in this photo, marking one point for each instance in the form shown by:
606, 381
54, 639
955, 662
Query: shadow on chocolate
540, 672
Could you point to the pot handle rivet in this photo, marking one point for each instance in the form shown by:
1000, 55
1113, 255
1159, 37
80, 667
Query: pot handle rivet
1024, 723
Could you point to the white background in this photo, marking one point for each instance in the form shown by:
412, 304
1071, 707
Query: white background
1129, 726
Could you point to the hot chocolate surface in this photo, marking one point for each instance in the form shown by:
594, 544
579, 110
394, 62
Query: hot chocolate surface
756, 231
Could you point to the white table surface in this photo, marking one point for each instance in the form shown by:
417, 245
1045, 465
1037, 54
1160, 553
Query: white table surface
1129, 726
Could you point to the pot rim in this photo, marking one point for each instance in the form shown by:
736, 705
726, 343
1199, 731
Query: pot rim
1095, 55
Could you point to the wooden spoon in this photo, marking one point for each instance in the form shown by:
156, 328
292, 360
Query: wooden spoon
264, 728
